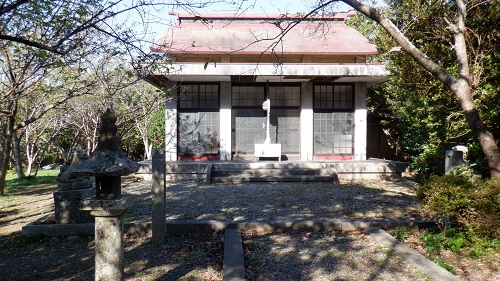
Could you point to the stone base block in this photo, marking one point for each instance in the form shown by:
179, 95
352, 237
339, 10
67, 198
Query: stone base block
67, 206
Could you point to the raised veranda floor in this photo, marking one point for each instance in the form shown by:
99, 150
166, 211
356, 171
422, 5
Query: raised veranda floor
274, 171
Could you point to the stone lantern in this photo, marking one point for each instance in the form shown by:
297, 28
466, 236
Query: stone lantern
107, 164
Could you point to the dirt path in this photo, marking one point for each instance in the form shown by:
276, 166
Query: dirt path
25, 206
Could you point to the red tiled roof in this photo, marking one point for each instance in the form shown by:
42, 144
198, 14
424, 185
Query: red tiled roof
257, 34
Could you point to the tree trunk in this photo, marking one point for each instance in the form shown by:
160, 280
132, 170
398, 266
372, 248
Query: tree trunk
3, 134
148, 147
149, 151
17, 156
463, 91
7, 147
3, 169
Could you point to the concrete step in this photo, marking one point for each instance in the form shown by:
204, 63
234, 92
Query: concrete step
270, 165
265, 178
271, 172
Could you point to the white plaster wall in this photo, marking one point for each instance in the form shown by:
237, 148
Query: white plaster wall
225, 121
171, 126
360, 121
306, 122
171, 130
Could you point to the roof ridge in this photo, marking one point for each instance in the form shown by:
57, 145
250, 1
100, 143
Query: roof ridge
231, 16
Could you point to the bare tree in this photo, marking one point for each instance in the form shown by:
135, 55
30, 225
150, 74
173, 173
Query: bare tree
140, 101
33, 85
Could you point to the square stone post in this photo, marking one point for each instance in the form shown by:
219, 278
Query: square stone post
109, 261
159, 197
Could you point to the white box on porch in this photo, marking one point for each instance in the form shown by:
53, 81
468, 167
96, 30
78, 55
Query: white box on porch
268, 150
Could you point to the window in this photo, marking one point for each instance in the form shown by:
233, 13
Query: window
338, 97
198, 120
284, 96
248, 96
333, 119
199, 96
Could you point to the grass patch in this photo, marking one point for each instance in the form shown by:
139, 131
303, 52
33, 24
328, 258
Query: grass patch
401, 234
15, 187
13, 184
446, 266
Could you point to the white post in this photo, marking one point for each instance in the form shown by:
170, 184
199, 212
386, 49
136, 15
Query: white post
360, 122
225, 121
306, 122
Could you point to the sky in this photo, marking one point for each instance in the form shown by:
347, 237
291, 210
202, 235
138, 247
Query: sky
158, 20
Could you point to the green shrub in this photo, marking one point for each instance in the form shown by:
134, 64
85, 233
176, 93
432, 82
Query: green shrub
454, 241
472, 205
466, 171
401, 234
433, 241
449, 239
444, 265
429, 161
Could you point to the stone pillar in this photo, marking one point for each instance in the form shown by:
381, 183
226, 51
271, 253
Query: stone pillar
453, 159
72, 189
159, 195
67, 203
109, 261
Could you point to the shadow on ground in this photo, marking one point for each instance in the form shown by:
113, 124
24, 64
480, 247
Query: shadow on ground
200, 258
72, 258
322, 256
279, 201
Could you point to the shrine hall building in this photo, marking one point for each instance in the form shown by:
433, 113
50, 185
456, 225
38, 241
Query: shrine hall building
223, 67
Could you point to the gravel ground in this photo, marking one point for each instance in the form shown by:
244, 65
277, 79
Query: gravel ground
182, 258
279, 201
269, 256
322, 256
297, 255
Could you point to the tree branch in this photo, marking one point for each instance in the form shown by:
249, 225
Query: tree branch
30, 43
429, 65
8, 8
